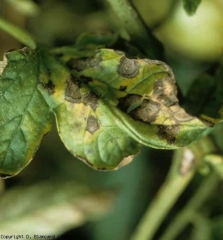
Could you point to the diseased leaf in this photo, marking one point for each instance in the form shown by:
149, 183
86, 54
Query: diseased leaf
92, 135
191, 6
159, 121
24, 114
104, 109
85, 123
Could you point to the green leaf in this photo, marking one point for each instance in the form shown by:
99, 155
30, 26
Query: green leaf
191, 6
25, 116
96, 39
159, 121
204, 97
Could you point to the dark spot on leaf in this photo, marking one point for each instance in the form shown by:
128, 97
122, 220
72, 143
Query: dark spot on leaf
128, 68
168, 133
146, 112
165, 91
77, 64
91, 100
74, 95
122, 88
83, 63
128, 100
92, 124
93, 62
72, 91
50, 87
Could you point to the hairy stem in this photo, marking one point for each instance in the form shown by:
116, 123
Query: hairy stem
18, 33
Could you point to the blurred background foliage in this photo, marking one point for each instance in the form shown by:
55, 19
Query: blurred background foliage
57, 194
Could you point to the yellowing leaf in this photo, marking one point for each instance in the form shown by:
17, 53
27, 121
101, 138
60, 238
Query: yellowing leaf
85, 123
158, 121
88, 129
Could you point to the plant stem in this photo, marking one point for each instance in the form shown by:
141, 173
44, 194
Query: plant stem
165, 199
18, 33
137, 29
186, 215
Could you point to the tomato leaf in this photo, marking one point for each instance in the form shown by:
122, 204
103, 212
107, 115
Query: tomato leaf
159, 121
25, 116
85, 124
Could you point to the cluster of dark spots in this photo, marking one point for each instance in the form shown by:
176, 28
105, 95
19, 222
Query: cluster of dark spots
128, 68
92, 124
147, 111
168, 133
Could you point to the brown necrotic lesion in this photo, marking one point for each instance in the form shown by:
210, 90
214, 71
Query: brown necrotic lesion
92, 124
72, 91
74, 94
128, 68
146, 112
157, 107
168, 133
